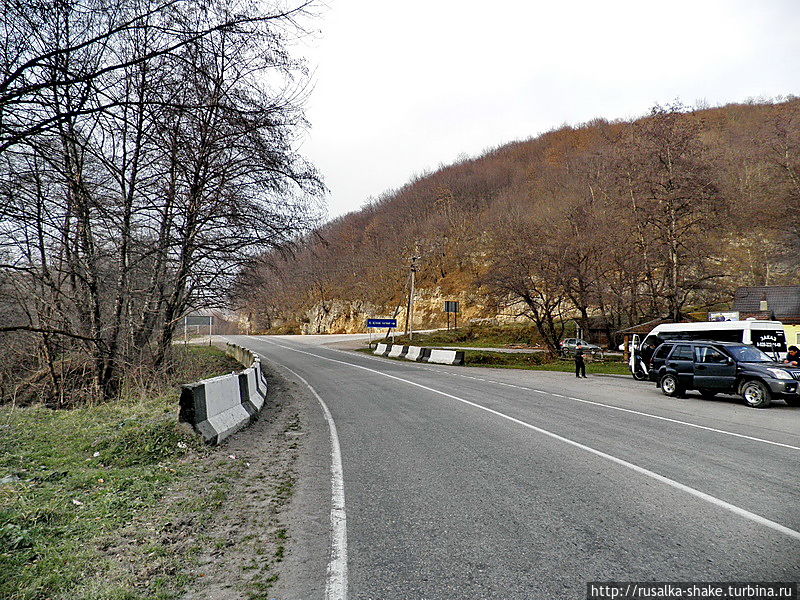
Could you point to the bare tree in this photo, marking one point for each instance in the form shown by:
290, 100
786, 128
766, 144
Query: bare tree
674, 200
524, 276
36, 50
158, 159
782, 146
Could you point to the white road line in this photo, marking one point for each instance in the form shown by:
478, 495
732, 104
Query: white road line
641, 470
695, 425
336, 585
631, 411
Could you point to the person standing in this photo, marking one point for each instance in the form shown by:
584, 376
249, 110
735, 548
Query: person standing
580, 365
647, 353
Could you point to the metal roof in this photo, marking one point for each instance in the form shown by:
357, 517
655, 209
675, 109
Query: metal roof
647, 326
783, 301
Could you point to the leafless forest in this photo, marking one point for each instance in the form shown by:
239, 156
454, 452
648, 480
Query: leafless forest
147, 155
614, 220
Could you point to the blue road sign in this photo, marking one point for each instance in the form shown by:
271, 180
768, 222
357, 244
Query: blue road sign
381, 322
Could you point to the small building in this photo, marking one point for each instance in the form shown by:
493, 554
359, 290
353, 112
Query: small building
774, 302
600, 332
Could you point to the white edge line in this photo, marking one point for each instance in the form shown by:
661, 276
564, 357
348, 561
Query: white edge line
627, 410
641, 470
336, 585
695, 425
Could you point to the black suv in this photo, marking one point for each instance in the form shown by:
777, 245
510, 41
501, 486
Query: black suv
723, 367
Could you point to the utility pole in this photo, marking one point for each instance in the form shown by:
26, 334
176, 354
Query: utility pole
410, 312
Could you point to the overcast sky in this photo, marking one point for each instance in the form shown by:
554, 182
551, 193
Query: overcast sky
400, 88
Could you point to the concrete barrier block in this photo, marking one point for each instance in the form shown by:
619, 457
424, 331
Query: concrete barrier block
192, 404
245, 391
397, 351
219, 407
228, 422
414, 353
446, 357
262, 377
418, 354
257, 390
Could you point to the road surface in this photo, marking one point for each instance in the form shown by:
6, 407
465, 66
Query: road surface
506, 484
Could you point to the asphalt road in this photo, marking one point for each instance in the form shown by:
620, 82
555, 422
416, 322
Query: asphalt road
507, 484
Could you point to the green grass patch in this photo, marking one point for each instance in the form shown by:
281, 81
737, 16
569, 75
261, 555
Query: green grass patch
538, 362
519, 360
477, 335
72, 478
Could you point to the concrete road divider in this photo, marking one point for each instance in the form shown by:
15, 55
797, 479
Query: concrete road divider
397, 351
219, 407
417, 354
446, 357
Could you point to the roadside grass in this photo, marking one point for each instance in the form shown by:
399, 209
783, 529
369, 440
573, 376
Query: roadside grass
477, 335
71, 480
536, 362
606, 367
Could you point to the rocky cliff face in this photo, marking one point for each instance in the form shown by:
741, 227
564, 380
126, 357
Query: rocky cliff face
340, 316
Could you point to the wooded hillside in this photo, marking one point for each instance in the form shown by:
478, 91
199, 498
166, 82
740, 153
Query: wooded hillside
617, 220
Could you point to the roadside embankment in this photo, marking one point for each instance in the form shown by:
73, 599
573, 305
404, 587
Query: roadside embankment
117, 500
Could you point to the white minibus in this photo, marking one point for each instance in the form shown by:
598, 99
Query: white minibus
768, 336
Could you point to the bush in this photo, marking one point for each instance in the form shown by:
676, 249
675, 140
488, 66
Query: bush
292, 328
475, 357
143, 442
72, 478
25, 379
472, 333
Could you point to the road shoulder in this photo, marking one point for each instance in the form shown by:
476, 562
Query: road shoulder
256, 544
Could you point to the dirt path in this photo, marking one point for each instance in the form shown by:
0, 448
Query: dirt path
269, 538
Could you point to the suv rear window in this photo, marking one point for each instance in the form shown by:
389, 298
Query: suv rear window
682, 352
662, 351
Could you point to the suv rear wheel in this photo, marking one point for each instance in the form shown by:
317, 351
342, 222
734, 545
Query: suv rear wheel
755, 394
670, 386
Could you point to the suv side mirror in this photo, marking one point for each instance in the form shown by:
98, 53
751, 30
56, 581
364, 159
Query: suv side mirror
728, 361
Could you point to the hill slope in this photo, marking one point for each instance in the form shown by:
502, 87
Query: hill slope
615, 220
